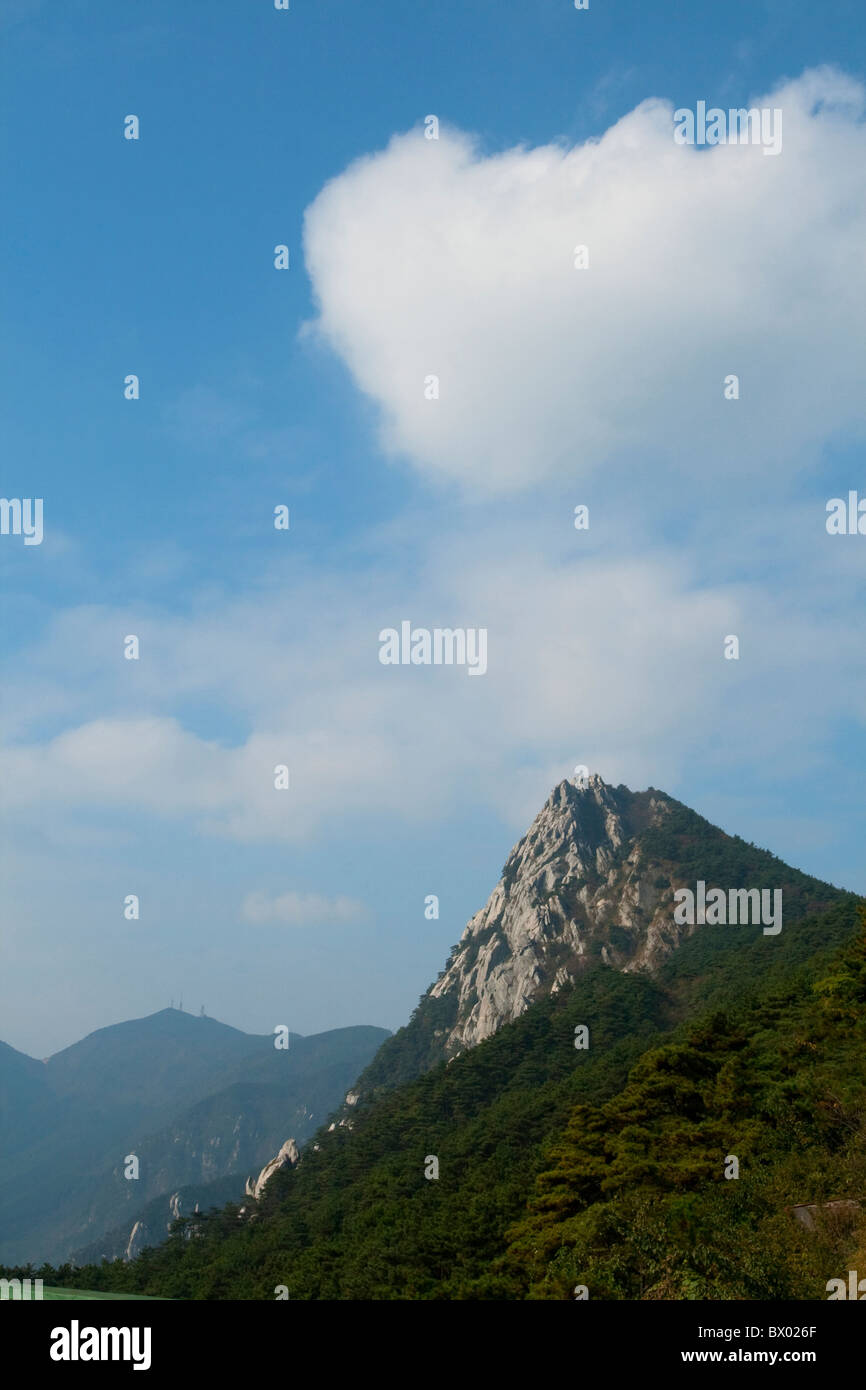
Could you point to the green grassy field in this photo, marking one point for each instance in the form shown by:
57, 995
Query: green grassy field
54, 1294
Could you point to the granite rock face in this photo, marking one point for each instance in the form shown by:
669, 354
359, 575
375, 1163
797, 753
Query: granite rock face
138, 1238
288, 1155
141, 1235
577, 885
593, 883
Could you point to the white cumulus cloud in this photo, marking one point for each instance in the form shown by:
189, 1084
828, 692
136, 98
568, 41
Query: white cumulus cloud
434, 258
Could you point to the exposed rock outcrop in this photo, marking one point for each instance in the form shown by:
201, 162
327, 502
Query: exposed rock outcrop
593, 882
288, 1154
138, 1239
577, 884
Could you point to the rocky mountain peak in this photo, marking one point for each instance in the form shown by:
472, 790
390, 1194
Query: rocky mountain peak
575, 886
591, 882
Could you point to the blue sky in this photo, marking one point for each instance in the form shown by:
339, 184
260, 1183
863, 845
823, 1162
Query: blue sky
261, 387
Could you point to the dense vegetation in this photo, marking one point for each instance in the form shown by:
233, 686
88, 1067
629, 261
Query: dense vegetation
603, 1168
634, 1203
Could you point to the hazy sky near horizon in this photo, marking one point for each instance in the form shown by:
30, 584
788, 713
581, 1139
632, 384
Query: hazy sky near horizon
304, 387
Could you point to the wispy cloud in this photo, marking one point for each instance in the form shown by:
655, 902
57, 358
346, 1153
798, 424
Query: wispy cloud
301, 910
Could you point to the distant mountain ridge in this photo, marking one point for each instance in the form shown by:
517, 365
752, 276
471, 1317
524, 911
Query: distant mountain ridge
196, 1101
